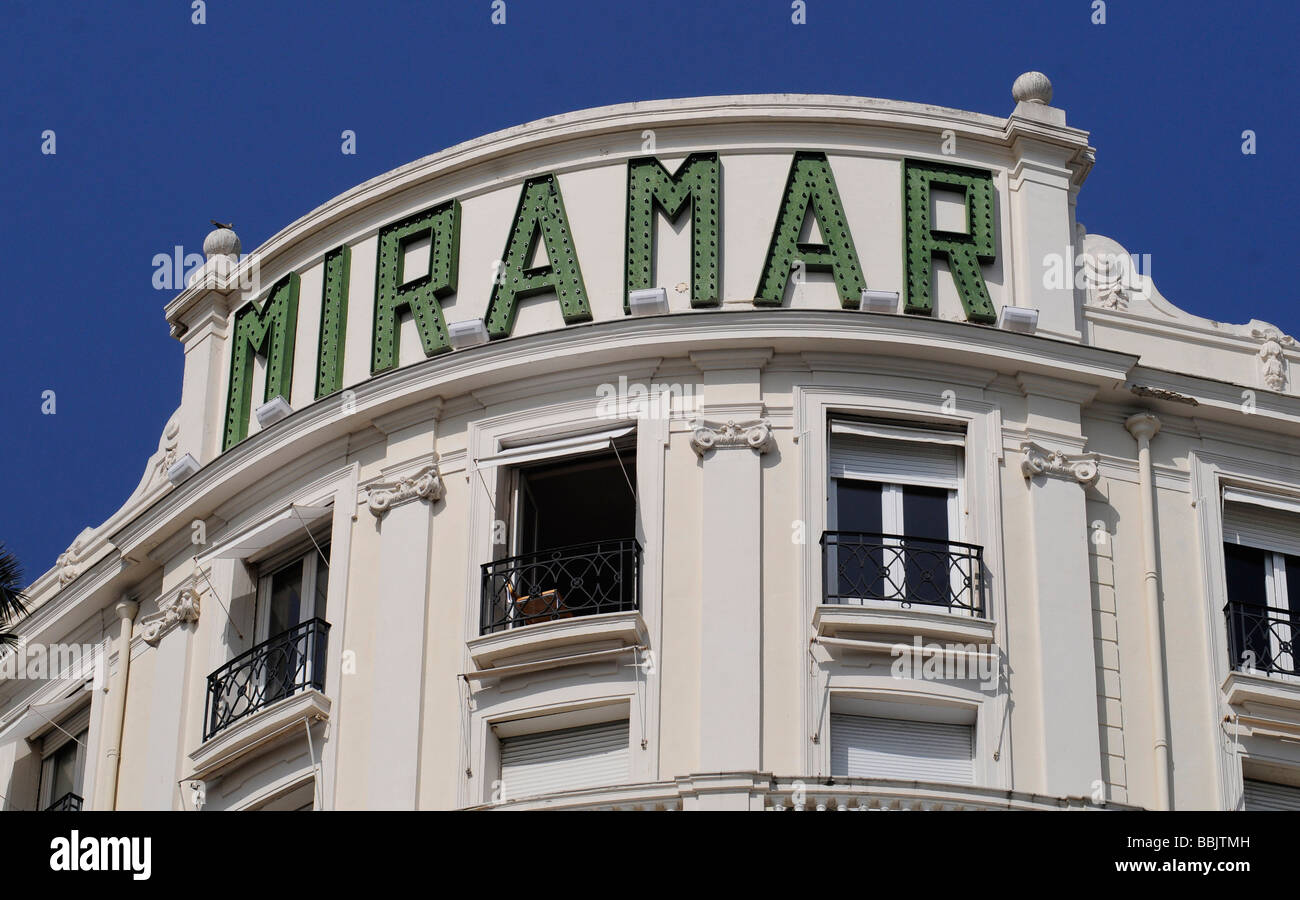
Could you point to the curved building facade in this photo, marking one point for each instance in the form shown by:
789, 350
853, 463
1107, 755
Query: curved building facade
754, 452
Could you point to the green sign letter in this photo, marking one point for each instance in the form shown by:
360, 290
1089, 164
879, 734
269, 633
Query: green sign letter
648, 186
539, 217
333, 321
270, 332
964, 252
811, 185
393, 293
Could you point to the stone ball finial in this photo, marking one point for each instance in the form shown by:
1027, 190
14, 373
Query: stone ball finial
1032, 87
221, 241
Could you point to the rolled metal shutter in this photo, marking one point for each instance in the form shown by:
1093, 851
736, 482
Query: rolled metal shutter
894, 462
549, 761
1259, 526
1268, 796
869, 747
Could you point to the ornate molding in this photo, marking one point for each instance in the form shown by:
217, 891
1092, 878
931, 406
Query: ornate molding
1082, 467
424, 484
70, 560
182, 606
756, 435
1272, 362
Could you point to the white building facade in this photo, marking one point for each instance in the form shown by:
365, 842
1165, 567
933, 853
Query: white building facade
758, 452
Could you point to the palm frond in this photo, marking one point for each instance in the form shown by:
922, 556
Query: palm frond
13, 600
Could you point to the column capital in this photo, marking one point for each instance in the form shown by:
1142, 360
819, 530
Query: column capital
425, 483
756, 435
126, 608
1082, 467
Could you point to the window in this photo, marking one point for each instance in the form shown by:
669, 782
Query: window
290, 597
301, 798
291, 636
63, 764
874, 747
569, 759
293, 593
1265, 795
1261, 556
894, 516
571, 547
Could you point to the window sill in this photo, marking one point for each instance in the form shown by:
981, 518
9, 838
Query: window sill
259, 731
1267, 704
558, 639
894, 622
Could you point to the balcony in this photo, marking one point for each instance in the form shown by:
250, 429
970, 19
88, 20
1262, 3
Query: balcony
912, 571
284, 665
1260, 639
564, 583
69, 802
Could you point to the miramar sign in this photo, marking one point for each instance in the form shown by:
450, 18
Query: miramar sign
540, 222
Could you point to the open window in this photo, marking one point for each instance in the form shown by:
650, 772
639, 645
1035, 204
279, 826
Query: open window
290, 635
290, 599
63, 763
1261, 555
570, 547
894, 518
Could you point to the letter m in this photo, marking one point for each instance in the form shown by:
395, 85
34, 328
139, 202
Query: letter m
650, 187
115, 853
268, 332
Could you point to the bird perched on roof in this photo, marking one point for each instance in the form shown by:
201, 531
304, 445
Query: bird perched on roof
216, 224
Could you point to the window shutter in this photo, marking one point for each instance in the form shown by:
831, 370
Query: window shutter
1269, 796
1260, 526
549, 761
894, 461
870, 747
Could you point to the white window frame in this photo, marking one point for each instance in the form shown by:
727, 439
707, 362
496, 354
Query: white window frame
306, 557
542, 424
903, 391
1276, 589
891, 494
74, 727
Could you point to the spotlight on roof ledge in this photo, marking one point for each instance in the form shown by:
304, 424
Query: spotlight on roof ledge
1018, 318
272, 411
469, 333
880, 301
183, 468
648, 302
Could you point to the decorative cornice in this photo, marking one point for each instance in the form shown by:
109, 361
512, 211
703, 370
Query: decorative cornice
756, 435
424, 484
181, 606
1082, 467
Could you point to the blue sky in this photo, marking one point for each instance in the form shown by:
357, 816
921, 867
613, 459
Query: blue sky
162, 124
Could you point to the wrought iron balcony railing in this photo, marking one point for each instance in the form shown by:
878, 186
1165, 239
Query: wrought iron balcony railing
860, 566
581, 580
277, 668
1262, 638
69, 802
